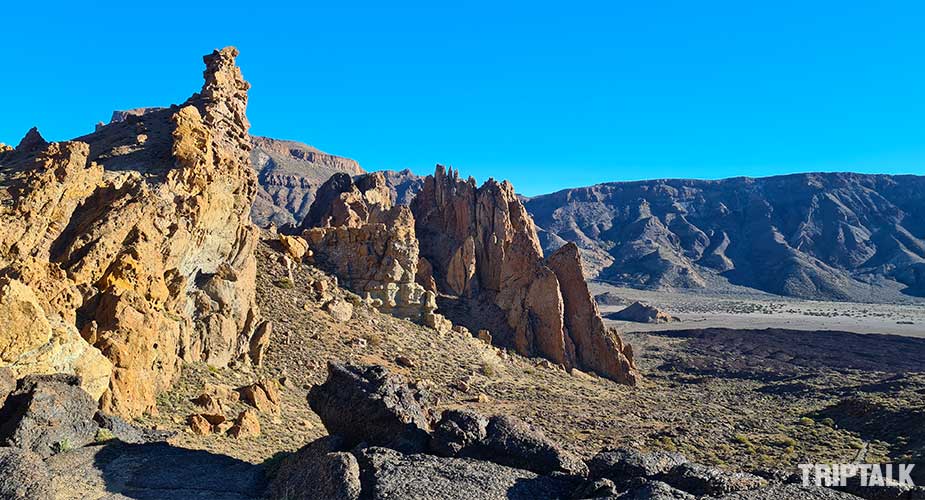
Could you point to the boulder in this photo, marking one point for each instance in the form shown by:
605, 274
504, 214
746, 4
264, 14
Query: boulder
260, 341
23, 475
622, 465
395, 475
48, 414
247, 425
33, 343
365, 404
320, 469
640, 312
340, 310
295, 246
458, 430
703, 480
501, 439
655, 490
511, 441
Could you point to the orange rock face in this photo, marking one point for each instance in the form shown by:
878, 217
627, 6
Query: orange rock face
138, 236
485, 256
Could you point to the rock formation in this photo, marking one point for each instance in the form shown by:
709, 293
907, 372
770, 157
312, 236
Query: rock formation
138, 237
640, 312
486, 259
354, 232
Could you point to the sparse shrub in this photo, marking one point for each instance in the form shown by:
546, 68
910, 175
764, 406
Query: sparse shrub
489, 370
667, 444
828, 422
373, 339
284, 283
103, 435
742, 439
807, 422
63, 446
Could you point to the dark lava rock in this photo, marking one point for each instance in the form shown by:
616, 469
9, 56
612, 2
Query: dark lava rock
48, 414
23, 475
702, 480
364, 404
128, 433
388, 474
458, 430
319, 470
510, 441
655, 490
789, 492
622, 465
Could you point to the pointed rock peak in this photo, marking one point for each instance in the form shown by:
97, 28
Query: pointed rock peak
33, 141
223, 78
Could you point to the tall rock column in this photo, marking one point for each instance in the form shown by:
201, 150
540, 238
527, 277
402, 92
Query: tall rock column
138, 236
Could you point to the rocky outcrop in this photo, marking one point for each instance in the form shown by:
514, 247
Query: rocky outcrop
597, 347
486, 258
640, 312
354, 232
364, 404
473, 456
136, 236
815, 235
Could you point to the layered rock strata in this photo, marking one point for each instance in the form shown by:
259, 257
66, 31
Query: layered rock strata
128, 251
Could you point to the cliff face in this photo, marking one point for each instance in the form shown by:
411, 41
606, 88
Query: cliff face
821, 236
486, 260
138, 237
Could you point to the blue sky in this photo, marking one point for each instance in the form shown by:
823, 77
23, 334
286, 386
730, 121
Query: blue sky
548, 95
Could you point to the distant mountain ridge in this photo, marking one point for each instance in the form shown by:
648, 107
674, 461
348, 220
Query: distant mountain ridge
837, 236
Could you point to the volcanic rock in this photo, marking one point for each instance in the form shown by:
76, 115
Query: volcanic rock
320, 469
486, 258
356, 234
640, 312
48, 414
365, 404
395, 475
138, 237
597, 347
247, 425
23, 475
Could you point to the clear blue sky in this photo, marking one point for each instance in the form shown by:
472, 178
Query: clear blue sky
548, 95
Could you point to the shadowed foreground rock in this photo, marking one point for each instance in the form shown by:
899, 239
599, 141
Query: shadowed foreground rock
471, 456
47, 414
364, 404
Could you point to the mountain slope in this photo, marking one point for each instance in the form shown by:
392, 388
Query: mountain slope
824, 236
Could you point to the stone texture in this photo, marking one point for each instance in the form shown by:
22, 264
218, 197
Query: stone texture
486, 258
34, 344
365, 404
392, 475
321, 469
48, 414
458, 430
23, 475
640, 312
355, 233
597, 347
138, 237
246, 425
703, 480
